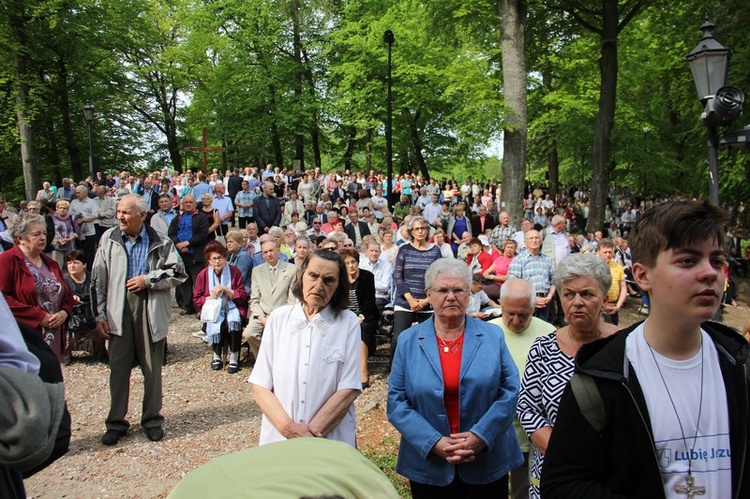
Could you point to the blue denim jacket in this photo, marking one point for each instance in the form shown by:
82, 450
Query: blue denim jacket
489, 385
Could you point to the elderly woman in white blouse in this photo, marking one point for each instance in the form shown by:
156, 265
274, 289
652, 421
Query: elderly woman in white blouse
306, 377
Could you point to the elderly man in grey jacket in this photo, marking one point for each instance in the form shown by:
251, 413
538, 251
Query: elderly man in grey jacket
134, 270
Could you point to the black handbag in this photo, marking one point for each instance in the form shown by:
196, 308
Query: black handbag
83, 319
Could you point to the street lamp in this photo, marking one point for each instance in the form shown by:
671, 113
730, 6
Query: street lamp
709, 63
185, 144
388, 38
88, 115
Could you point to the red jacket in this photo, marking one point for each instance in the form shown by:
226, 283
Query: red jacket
17, 284
201, 291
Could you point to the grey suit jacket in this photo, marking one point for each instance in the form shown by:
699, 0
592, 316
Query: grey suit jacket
265, 297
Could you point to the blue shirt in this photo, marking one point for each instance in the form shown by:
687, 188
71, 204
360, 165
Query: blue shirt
245, 197
137, 253
201, 189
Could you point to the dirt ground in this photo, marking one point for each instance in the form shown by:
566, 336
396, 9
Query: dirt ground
208, 414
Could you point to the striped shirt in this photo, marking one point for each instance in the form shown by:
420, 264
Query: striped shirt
535, 269
137, 253
411, 265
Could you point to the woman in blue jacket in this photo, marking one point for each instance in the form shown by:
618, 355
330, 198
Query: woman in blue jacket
453, 392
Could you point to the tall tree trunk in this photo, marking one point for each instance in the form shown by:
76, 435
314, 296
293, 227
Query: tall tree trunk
513, 15
54, 150
275, 136
350, 148
20, 58
71, 144
299, 139
314, 126
553, 163
606, 118
368, 151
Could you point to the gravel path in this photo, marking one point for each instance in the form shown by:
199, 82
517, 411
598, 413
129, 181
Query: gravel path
208, 414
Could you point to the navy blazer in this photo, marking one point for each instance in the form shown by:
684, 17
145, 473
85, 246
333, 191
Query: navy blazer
489, 384
267, 213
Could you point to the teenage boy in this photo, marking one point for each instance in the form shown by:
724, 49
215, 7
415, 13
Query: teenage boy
673, 408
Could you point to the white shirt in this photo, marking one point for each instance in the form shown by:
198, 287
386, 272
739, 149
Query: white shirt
107, 207
432, 212
382, 270
305, 363
87, 209
711, 462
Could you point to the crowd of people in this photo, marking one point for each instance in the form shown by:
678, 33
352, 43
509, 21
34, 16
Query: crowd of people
488, 317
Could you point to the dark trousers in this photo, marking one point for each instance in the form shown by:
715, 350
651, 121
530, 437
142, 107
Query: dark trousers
243, 221
402, 321
135, 342
519, 480
99, 231
184, 292
88, 246
231, 339
545, 313
611, 318
458, 489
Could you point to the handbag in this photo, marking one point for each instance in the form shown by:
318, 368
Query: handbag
83, 317
211, 309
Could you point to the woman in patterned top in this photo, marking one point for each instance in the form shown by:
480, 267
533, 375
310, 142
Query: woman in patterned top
583, 280
413, 259
33, 283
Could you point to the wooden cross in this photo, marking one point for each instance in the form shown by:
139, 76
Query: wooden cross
205, 149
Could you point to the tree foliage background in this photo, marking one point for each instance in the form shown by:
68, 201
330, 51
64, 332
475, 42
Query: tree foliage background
284, 80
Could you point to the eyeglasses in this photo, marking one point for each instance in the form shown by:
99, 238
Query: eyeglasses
217, 259
316, 223
442, 292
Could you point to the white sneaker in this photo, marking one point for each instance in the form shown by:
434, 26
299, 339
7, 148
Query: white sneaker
200, 334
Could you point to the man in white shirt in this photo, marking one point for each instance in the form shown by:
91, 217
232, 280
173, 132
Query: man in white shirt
370, 259
105, 207
83, 210
432, 211
224, 205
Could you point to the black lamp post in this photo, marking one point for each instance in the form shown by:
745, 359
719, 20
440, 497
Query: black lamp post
88, 115
709, 62
185, 144
388, 38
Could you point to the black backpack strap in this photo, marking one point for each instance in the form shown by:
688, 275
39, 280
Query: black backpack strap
589, 401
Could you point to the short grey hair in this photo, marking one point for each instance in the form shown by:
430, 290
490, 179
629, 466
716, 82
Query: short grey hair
415, 219
276, 230
19, 226
140, 204
338, 236
583, 265
449, 267
518, 288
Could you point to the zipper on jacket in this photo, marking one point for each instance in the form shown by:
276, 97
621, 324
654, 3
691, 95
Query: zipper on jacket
744, 447
645, 426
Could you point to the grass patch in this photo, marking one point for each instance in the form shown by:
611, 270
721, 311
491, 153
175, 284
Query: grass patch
384, 457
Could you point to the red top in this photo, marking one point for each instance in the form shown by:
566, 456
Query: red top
450, 362
18, 286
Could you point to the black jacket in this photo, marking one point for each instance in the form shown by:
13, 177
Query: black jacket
199, 225
621, 460
267, 213
364, 230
